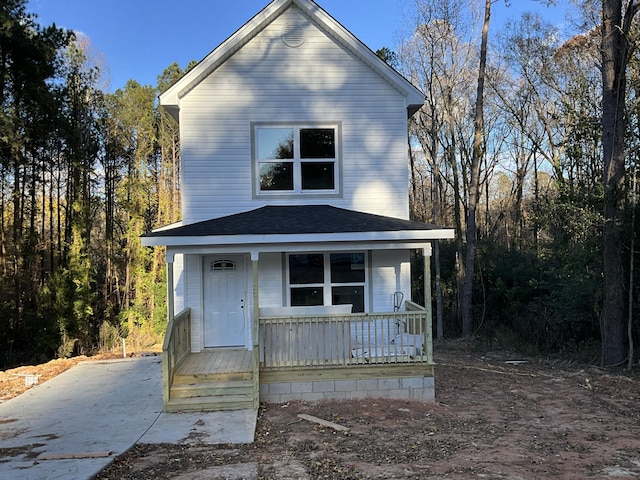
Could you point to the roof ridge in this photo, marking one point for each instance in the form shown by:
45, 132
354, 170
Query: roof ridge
170, 99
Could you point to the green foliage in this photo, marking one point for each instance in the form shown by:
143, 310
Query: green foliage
109, 337
82, 175
388, 56
145, 318
549, 301
451, 326
58, 296
548, 293
69, 297
159, 322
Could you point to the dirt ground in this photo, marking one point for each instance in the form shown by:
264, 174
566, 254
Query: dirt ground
18, 380
495, 417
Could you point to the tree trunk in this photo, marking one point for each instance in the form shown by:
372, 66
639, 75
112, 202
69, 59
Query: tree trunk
614, 63
414, 189
458, 224
474, 183
631, 271
436, 221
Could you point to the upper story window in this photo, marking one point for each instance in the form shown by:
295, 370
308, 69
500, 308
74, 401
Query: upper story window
296, 159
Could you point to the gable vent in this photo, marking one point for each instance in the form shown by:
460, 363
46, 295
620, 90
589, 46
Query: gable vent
292, 35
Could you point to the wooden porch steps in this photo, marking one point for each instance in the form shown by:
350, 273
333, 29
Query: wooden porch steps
213, 381
208, 404
190, 378
211, 396
212, 389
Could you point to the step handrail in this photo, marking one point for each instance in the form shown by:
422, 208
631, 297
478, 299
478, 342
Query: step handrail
175, 349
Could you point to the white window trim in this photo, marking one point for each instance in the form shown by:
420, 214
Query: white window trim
297, 161
327, 285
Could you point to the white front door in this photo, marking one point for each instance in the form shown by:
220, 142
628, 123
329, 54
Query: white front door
224, 301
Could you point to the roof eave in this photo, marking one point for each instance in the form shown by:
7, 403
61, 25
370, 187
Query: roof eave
282, 239
171, 97
415, 98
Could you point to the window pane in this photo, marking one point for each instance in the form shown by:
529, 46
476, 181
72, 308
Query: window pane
307, 296
306, 268
317, 176
347, 268
276, 176
275, 143
352, 295
317, 143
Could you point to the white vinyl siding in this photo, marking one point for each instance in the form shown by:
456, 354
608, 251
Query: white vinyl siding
270, 280
179, 283
391, 273
318, 82
388, 271
193, 272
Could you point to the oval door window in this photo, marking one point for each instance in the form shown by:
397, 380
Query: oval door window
223, 266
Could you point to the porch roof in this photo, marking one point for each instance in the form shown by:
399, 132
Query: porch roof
296, 224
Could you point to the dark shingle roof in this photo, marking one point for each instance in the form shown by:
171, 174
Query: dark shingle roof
291, 220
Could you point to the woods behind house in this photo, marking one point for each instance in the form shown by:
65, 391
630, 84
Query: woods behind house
85, 172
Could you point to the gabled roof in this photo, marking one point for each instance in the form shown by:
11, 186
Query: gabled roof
303, 223
170, 99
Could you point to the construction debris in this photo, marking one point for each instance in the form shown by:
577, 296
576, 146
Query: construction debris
326, 423
69, 456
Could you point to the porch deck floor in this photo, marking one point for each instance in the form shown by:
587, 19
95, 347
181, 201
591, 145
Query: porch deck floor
217, 361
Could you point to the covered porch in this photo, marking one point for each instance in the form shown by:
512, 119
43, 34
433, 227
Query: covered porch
302, 357
291, 350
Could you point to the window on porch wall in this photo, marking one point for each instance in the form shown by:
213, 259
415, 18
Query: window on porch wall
327, 279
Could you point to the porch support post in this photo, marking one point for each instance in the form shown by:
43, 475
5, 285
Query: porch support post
256, 298
255, 334
170, 293
426, 255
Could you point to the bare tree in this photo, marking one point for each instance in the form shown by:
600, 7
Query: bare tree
616, 26
474, 182
437, 57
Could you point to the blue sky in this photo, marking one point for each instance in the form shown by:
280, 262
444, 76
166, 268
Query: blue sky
140, 38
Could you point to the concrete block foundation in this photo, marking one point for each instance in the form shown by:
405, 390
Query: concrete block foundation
406, 388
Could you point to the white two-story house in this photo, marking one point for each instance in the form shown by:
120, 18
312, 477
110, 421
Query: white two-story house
290, 272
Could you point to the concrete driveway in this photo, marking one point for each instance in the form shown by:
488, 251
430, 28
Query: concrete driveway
73, 425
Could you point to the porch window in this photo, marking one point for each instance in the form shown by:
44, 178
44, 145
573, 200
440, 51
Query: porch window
296, 159
327, 279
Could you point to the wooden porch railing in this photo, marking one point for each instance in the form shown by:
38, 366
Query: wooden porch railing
344, 340
410, 306
176, 347
413, 306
